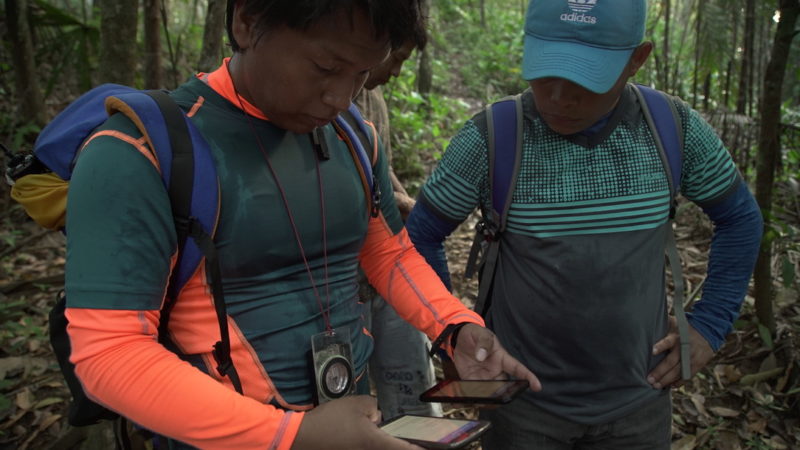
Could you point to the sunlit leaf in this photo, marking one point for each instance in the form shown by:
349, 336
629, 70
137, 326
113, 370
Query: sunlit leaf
723, 412
47, 402
24, 400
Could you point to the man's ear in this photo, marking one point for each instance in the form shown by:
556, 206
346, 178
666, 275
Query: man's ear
242, 27
639, 57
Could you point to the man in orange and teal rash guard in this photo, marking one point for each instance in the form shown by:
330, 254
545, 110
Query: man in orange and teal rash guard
291, 231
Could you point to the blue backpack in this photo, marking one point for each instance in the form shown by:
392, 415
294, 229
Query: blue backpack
504, 120
188, 173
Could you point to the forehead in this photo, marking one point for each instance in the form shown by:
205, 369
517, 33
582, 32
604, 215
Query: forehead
345, 36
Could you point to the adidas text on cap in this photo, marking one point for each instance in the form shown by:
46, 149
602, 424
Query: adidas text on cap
587, 42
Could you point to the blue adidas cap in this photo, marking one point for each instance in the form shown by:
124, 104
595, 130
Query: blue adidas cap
588, 42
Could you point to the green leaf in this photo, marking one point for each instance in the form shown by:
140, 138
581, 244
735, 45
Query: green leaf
5, 403
788, 272
766, 336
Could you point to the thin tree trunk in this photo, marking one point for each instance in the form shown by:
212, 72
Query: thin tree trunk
682, 16
26, 82
153, 70
425, 70
746, 70
769, 151
697, 46
731, 61
118, 41
667, 14
211, 52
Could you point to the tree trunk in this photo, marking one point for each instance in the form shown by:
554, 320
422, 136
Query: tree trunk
731, 62
211, 53
425, 70
118, 41
746, 70
667, 14
153, 71
26, 82
697, 46
769, 152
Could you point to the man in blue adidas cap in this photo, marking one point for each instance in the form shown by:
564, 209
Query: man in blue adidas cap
578, 292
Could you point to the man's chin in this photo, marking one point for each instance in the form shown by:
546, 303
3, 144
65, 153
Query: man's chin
300, 125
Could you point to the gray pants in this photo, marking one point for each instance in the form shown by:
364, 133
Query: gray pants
399, 367
522, 425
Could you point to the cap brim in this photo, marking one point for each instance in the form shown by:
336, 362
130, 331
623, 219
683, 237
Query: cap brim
596, 69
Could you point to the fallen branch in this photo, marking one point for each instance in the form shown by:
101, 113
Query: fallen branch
24, 242
21, 285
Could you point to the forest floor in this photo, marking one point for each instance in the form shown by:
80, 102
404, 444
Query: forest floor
747, 397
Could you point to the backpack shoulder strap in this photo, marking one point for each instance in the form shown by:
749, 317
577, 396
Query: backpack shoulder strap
188, 172
504, 125
663, 119
186, 167
356, 133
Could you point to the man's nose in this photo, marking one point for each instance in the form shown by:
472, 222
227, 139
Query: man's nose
339, 94
564, 92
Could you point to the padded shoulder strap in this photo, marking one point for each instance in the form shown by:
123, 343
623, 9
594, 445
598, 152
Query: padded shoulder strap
504, 126
662, 117
186, 166
356, 133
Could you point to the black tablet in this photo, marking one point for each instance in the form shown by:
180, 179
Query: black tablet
474, 391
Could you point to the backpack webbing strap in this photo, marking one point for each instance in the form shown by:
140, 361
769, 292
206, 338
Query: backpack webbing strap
505, 156
677, 305
662, 117
181, 185
222, 348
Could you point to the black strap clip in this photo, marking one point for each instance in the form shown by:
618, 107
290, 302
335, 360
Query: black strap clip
376, 198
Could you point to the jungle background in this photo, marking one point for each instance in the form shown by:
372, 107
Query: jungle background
736, 61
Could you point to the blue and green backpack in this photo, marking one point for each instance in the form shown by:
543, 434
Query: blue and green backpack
40, 180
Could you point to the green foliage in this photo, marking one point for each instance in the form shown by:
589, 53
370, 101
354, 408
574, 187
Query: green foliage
466, 65
21, 135
66, 44
484, 58
421, 127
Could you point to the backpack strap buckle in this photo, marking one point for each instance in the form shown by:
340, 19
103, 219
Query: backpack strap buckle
486, 232
375, 208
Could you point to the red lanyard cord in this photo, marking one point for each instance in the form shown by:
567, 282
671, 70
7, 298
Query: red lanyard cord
324, 311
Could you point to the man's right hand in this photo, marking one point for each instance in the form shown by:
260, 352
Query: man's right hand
346, 423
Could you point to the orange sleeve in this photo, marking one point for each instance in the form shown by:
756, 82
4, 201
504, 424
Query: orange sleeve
403, 277
122, 366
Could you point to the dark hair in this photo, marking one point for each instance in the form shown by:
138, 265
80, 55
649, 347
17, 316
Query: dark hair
419, 35
399, 20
